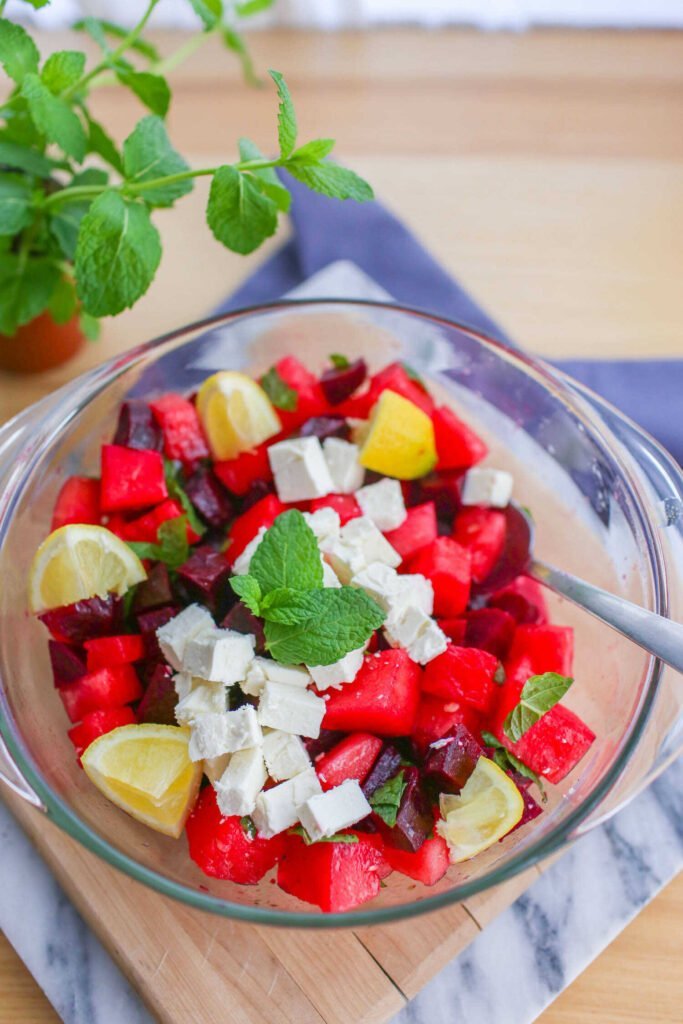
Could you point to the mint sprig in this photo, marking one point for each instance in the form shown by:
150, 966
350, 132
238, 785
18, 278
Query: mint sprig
279, 391
172, 546
177, 491
288, 555
386, 800
509, 762
539, 695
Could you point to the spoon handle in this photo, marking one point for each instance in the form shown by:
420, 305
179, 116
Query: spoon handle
656, 634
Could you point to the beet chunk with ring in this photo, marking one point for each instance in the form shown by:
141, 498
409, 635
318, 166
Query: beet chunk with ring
451, 760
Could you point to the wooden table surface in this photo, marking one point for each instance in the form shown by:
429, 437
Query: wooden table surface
545, 171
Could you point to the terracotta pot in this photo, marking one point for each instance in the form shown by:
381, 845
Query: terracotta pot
41, 345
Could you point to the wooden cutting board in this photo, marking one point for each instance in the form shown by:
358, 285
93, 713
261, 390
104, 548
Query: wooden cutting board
189, 965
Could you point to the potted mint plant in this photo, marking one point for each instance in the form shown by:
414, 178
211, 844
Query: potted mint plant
77, 234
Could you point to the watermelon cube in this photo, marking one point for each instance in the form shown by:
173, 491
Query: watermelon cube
146, 527
482, 531
97, 723
131, 478
437, 718
351, 759
395, 378
538, 649
454, 629
427, 865
447, 564
554, 745
183, 436
345, 505
223, 848
240, 473
333, 876
105, 651
416, 532
382, 699
524, 599
77, 502
463, 674
457, 446
310, 400
97, 691
245, 527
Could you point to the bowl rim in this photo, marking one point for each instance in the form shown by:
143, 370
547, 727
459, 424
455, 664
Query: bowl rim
77, 395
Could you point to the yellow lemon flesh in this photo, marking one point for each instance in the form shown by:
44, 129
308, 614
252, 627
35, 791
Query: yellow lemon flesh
488, 806
400, 439
236, 414
147, 772
76, 562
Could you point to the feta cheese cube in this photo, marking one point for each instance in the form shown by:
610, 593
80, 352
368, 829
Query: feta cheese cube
182, 684
327, 813
324, 522
214, 734
284, 754
291, 709
242, 563
278, 808
263, 669
360, 543
241, 782
343, 671
215, 766
330, 578
300, 469
174, 636
383, 503
417, 633
204, 698
394, 592
221, 655
489, 487
342, 461
254, 679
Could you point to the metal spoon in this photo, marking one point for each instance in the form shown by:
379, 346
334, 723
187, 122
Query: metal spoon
656, 634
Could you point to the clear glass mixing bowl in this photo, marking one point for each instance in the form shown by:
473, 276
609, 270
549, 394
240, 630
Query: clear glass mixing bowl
606, 499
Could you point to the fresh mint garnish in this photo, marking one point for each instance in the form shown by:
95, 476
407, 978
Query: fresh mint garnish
338, 837
278, 391
508, 762
148, 154
176, 490
539, 695
339, 362
288, 555
249, 592
386, 800
286, 117
172, 547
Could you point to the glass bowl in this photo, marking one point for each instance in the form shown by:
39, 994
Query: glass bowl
606, 500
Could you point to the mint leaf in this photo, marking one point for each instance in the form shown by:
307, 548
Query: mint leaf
62, 69
248, 7
65, 224
248, 826
90, 326
15, 203
278, 391
176, 490
249, 592
152, 90
338, 837
103, 145
172, 547
539, 695
63, 301
288, 555
239, 215
210, 12
509, 762
338, 361
386, 800
313, 152
332, 180
21, 158
147, 154
286, 605
332, 622
109, 28
19, 55
233, 41
25, 289
266, 178
286, 117
54, 118
117, 254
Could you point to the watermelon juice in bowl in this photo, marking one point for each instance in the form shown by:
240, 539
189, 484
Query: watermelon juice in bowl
257, 650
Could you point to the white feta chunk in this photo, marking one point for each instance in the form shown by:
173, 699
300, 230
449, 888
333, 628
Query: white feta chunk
299, 469
284, 754
417, 633
221, 655
392, 591
278, 808
342, 461
182, 684
383, 503
325, 814
324, 522
254, 678
291, 709
204, 698
174, 635
242, 563
263, 670
215, 734
241, 782
330, 578
343, 671
360, 543
215, 766
489, 487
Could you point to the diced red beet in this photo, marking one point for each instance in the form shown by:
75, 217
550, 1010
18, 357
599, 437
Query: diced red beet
437, 718
83, 620
96, 724
259, 490
240, 473
245, 527
454, 629
447, 565
209, 497
205, 575
106, 688
539, 649
155, 591
136, 427
326, 739
149, 622
457, 445
345, 505
554, 745
489, 629
384, 768
427, 865
159, 699
514, 557
105, 651
323, 427
441, 488
131, 478
68, 663
416, 532
241, 620
463, 673
311, 400
333, 876
223, 848
339, 383
179, 422
482, 532
394, 378
450, 762
146, 527
351, 759
414, 820
77, 502
532, 809
382, 699
524, 599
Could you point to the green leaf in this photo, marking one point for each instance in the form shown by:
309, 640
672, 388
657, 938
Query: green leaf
539, 695
509, 762
313, 152
338, 837
177, 491
249, 592
239, 215
103, 145
19, 55
95, 29
339, 361
288, 555
62, 69
286, 605
286, 117
248, 826
54, 118
413, 375
147, 154
386, 800
37, 4
91, 176
110, 28
248, 7
117, 254
266, 177
333, 622
22, 158
63, 301
152, 90
15, 203
278, 391
90, 326
234, 42
210, 12
172, 547
332, 180
65, 224
25, 289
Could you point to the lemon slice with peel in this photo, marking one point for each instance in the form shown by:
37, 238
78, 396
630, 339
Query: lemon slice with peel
485, 810
76, 562
236, 414
400, 439
147, 772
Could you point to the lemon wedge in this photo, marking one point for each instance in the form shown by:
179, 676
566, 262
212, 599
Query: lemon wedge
76, 562
146, 771
236, 414
488, 806
400, 439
